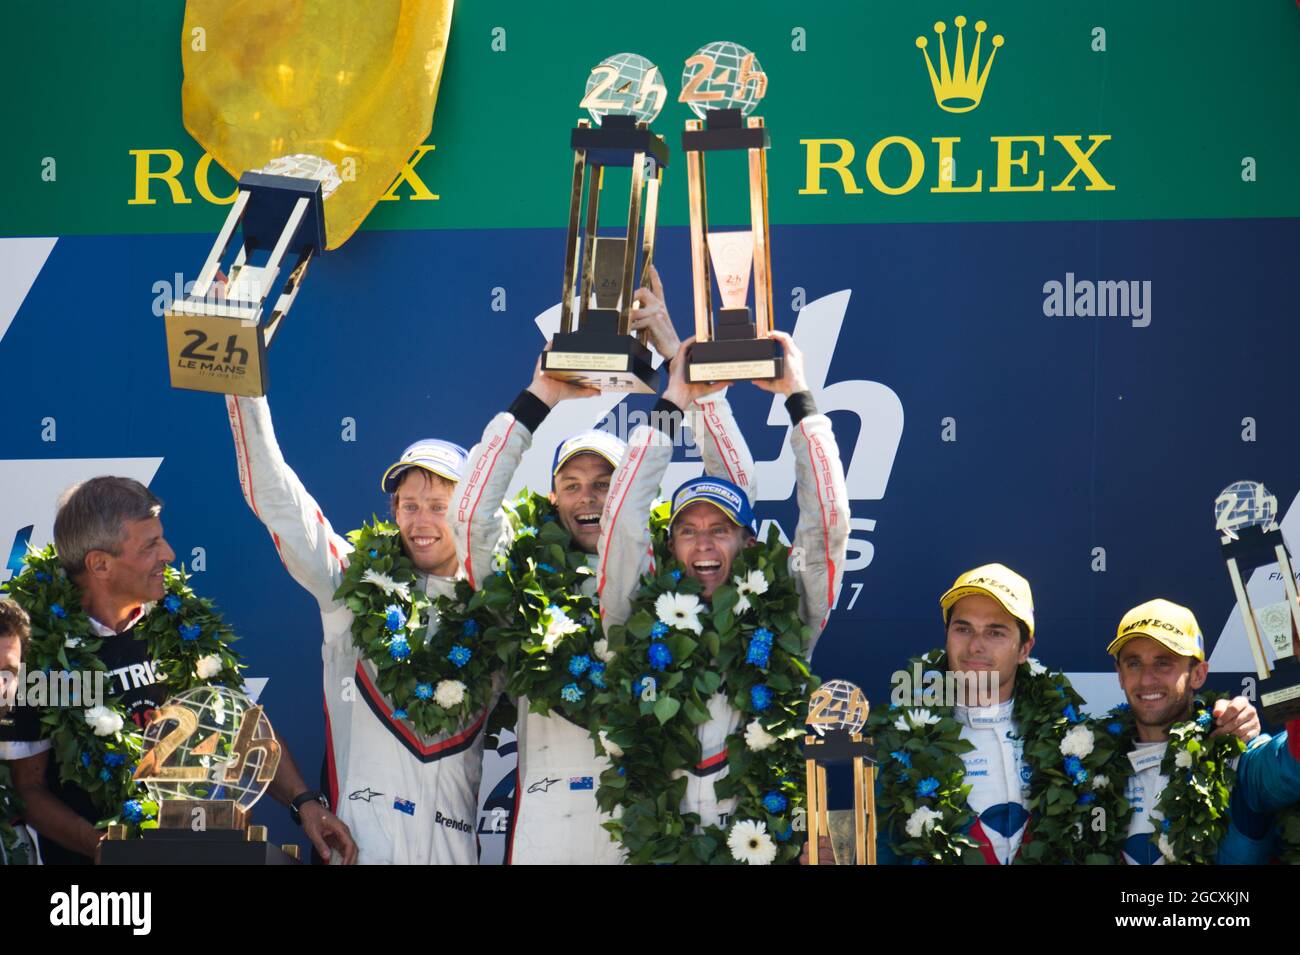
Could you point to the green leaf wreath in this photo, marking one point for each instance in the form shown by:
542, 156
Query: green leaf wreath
672, 656
433, 662
97, 748
548, 632
13, 848
922, 793
1288, 830
1191, 817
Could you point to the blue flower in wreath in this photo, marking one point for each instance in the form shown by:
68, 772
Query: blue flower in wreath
1204, 719
469, 628
395, 619
571, 693
643, 683
1114, 727
1073, 766
190, 631
597, 675
460, 655
1164, 825
528, 531
759, 653
43, 577
676, 576
105, 775
373, 553
1123, 708
1081, 777
659, 655
86, 760
58, 611
775, 803
760, 697
132, 810
548, 568
580, 664
1072, 714
114, 760
172, 603
423, 691
399, 649
902, 757
785, 834
660, 629
763, 634
927, 787
399, 714
1087, 799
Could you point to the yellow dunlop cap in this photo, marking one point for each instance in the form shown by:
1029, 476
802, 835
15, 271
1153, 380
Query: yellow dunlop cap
1165, 622
999, 582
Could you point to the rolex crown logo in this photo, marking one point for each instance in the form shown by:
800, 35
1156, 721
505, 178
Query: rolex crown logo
958, 89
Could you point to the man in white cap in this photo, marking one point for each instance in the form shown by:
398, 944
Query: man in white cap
407, 798
556, 820
1159, 656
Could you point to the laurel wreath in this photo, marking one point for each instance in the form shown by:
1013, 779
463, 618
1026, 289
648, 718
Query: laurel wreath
922, 792
434, 661
648, 714
13, 848
1192, 814
179, 632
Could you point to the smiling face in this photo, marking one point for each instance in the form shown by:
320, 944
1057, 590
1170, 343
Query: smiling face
581, 486
705, 541
135, 572
1158, 684
420, 509
983, 636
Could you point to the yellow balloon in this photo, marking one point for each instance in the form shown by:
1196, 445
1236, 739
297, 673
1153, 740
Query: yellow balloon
353, 83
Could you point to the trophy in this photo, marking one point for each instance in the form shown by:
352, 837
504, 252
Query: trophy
722, 83
209, 756
624, 94
837, 711
1245, 514
316, 114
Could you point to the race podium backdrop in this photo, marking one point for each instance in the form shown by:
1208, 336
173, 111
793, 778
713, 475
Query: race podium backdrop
1046, 298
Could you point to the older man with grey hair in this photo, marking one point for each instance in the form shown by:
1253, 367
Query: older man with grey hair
109, 538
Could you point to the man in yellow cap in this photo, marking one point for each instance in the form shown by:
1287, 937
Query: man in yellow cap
1159, 655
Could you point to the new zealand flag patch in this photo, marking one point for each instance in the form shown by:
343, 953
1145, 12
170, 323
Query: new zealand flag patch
404, 805
581, 782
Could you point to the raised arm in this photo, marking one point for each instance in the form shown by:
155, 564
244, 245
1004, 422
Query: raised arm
313, 554
822, 533
476, 522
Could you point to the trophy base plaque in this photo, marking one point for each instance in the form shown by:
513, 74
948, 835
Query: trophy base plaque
210, 847
1279, 695
600, 359
216, 353
738, 359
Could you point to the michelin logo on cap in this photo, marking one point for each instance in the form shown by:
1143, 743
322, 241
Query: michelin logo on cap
723, 495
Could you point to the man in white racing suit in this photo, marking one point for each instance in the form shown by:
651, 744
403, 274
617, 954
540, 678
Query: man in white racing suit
556, 820
408, 799
712, 520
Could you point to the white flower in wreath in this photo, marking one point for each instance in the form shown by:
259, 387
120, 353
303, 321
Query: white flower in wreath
219, 709
922, 821
1183, 759
1166, 847
915, 719
1036, 668
612, 748
103, 721
757, 738
603, 653
558, 626
1079, 741
449, 693
750, 843
680, 611
752, 583
385, 583
72, 642
205, 668
1100, 782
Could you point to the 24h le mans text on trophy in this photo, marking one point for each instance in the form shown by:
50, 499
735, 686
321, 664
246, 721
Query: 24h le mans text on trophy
837, 711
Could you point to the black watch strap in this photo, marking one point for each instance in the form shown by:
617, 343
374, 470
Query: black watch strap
311, 795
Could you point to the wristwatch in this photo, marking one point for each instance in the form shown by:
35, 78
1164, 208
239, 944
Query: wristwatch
311, 795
